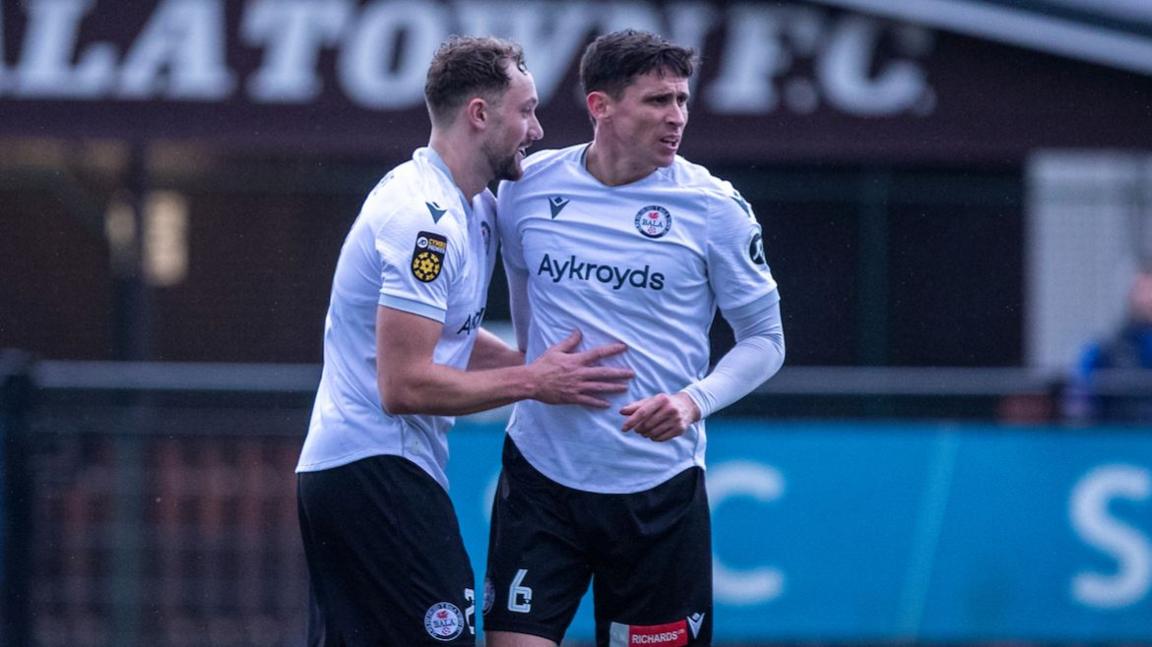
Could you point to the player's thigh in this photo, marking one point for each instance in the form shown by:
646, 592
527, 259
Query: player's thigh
508, 639
537, 566
385, 555
654, 582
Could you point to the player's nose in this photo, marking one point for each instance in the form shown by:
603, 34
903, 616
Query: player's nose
535, 130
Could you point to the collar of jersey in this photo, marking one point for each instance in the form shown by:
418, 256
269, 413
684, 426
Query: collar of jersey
438, 162
583, 164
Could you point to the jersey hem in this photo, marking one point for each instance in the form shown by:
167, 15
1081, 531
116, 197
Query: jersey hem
346, 459
647, 484
412, 306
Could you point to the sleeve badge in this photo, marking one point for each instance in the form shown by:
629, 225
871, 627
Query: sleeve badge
428, 256
756, 248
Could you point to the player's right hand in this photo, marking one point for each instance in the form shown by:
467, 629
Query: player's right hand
565, 376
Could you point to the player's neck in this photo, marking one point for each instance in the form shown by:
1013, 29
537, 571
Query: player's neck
612, 167
460, 158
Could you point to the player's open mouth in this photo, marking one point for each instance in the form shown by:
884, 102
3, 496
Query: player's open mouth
671, 141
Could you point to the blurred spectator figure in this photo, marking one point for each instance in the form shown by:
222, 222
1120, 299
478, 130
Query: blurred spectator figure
1129, 348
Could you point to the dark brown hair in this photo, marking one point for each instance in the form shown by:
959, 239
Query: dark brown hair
612, 61
464, 67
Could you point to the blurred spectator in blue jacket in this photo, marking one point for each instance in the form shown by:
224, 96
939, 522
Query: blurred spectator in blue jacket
1128, 348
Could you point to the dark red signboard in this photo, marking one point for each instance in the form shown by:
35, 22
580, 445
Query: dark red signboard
778, 81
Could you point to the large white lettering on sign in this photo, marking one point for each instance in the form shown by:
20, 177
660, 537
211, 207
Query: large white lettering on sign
179, 55
1131, 579
46, 67
766, 43
791, 57
762, 483
291, 35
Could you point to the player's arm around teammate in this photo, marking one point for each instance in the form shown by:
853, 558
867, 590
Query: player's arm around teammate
411, 382
491, 352
386, 561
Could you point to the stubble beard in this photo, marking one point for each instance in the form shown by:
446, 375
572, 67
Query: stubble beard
504, 167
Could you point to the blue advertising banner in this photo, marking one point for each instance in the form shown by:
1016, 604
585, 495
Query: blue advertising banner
927, 531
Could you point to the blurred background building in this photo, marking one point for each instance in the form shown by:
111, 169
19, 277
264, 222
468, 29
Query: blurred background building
955, 195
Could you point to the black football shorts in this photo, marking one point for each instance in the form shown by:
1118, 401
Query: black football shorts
647, 554
385, 558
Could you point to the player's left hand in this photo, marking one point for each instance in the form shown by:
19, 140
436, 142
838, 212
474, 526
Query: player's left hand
660, 417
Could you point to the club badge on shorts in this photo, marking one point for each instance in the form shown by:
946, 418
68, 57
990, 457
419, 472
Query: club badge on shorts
443, 621
428, 256
489, 594
653, 221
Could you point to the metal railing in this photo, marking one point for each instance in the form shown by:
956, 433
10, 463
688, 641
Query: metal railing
154, 504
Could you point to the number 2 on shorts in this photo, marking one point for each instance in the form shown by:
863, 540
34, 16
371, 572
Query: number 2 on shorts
519, 597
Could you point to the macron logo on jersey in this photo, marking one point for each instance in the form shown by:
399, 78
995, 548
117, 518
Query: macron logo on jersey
436, 210
557, 203
617, 277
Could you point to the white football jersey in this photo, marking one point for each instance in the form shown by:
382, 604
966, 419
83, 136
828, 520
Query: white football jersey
646, 264
416, 246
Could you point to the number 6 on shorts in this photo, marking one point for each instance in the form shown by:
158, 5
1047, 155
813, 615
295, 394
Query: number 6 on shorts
519, 597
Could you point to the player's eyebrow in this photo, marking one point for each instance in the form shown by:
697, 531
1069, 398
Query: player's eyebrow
665, 95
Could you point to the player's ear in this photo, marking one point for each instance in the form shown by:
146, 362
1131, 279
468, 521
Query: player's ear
476, 112
599, 105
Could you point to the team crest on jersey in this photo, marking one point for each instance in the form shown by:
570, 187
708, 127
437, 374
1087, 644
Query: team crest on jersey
653, 221
443, 621
428, 256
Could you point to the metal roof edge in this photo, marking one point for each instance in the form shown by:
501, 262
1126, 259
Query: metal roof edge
1018, 26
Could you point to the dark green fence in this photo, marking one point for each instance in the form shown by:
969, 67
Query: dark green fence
154, 504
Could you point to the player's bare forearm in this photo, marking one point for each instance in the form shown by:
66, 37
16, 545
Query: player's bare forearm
558, 377
410, 382
491, 352
441, 390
